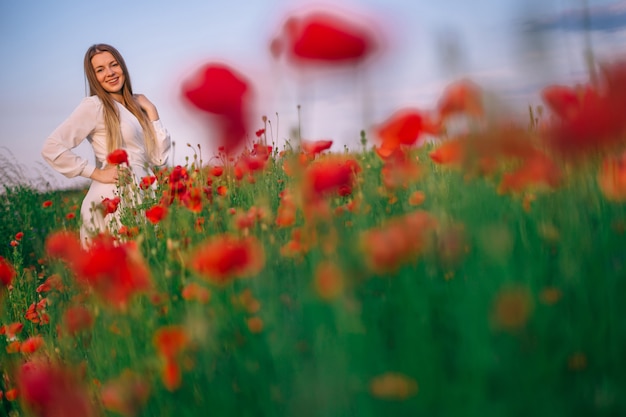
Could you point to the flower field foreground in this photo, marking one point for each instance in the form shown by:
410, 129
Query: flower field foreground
482, 276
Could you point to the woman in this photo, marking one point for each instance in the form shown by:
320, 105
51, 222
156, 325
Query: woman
111, 118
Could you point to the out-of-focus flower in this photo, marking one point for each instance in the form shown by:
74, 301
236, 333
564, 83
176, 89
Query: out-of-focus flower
126, 394
50, 390
156, 213
224, 257
196, 292
77, 319
54, 282
315, 147
255, 324
32, 344
222, 92
329, 280
117, 157
286, 214
324, 38
47, 204
7, 272
11, 330
449, 152
115, 270
536, 171
403, 128
512, 308
327, 175
612, 177
401, 240
170, 342
590, 117
393, 386
462, 96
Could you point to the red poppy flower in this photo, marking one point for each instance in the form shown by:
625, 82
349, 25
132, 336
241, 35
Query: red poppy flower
54, 282
36, 312
47, 389
196, 292
11, 330
19, 235
147, 181
329, 280
536, 171
7, 272
32, 344
225, 257
156, 213
170, 340
114, 270
220, 91
77, 319
109, 205
324, 38
612, 178
222, 190
117, 157
126, 394
401, 240
217, 171
461, 97
328, 175
64, 245
47, 203
315, 147
589, 116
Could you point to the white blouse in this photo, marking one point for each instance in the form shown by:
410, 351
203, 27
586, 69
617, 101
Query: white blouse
87, 122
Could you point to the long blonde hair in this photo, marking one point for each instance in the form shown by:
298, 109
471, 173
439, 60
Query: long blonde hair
111, 114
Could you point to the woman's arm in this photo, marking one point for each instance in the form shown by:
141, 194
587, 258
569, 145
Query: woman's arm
57, 149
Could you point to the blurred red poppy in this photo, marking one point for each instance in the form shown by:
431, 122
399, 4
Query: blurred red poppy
324, 38
328, 175
315, 147
461, 97
32, 344
156, 213
224, 257
612, 177
77, 319
118, 156
50, 390
7, 272
222, 92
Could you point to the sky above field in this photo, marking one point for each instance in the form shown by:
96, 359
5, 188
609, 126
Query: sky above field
512, 48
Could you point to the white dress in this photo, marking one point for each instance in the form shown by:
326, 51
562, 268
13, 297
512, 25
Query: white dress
87, 122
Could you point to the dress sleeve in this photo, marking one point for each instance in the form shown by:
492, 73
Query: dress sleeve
57, 149
163, 143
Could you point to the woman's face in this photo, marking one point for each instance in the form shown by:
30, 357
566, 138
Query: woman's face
108, 72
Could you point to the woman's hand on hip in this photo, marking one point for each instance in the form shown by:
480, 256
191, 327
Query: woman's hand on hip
107, 175
147, 106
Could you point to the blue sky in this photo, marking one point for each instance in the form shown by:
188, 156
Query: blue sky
42, 44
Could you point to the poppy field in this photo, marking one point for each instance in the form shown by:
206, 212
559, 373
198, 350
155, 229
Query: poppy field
479, 274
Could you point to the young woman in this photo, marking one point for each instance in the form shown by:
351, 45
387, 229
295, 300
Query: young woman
110, 118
